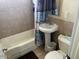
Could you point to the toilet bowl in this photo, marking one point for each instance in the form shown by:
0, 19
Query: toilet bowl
64, 44
55, 55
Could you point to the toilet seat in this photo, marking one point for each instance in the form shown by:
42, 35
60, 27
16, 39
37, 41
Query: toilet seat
54, 55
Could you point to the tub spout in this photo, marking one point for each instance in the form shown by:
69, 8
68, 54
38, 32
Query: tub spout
5, 49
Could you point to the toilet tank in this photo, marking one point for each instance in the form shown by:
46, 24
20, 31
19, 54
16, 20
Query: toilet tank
64, 43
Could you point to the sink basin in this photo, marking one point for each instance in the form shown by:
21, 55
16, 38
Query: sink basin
48, 28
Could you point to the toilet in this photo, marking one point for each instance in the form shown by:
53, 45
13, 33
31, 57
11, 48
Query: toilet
64, 44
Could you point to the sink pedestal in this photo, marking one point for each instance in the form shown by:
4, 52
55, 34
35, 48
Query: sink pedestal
47, 40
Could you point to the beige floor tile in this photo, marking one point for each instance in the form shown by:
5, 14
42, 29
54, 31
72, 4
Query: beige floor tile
40, 52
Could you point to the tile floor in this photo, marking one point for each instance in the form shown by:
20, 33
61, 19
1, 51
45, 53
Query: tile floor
40, 52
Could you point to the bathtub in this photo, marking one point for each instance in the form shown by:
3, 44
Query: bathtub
19, 44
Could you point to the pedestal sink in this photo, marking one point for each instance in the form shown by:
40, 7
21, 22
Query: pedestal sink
48, 29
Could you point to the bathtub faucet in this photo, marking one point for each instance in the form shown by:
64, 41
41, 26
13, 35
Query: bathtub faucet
5, 49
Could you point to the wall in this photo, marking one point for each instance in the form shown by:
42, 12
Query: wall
68, 10
15, 16
59, 5
74, 49
67, 16
65, 27
77, 55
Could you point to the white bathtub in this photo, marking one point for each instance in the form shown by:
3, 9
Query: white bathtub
19, 44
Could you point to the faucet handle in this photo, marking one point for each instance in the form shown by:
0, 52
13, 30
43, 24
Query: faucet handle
4, 49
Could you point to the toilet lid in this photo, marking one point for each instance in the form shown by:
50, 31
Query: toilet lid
54, 55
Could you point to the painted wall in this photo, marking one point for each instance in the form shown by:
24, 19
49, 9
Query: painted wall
15, 16
68, 10
77, 55
59, 5
74, 49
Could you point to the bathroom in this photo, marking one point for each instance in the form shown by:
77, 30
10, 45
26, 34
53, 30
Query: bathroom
18, 30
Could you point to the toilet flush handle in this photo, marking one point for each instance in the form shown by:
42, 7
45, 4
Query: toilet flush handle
66, 57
